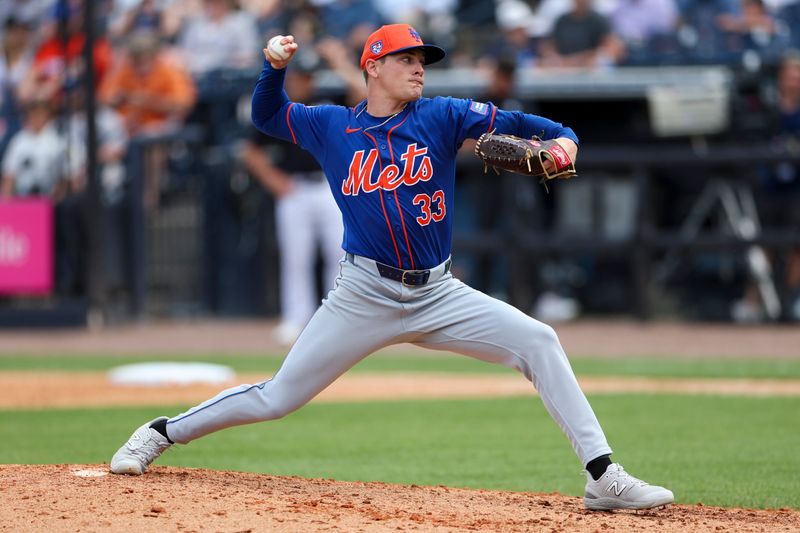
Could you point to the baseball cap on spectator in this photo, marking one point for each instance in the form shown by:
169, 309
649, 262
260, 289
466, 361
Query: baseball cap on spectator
514, 14
394, 38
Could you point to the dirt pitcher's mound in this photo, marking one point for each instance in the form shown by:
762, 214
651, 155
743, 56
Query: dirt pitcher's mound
87, 498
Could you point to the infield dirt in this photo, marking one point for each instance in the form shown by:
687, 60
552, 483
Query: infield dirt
86, 498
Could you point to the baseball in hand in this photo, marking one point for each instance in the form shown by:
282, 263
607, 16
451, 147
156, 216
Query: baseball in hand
275, 48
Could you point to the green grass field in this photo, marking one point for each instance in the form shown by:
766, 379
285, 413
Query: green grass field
392, 362
728, 451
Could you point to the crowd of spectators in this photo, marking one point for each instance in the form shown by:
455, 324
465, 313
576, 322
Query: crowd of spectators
155, 61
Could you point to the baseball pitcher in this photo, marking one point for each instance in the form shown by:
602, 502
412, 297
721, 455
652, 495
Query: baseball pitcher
390, 164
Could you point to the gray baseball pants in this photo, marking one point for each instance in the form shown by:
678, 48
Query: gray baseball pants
366, 312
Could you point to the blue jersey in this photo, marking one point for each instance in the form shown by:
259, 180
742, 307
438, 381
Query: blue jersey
392, 177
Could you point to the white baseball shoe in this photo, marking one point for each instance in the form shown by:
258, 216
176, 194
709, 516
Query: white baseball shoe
144, 446
616, 489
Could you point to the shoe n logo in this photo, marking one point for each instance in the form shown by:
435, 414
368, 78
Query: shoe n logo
616, 488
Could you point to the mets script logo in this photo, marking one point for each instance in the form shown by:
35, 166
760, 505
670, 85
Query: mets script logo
392, 176
414, 34
376, 47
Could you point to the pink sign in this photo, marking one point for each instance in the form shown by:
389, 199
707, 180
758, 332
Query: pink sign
26, 246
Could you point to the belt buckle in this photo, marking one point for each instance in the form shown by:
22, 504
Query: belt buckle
419, 277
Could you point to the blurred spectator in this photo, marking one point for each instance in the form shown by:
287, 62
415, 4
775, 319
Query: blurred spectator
304, 24
351, 21
219, 37
137, 16
755, 31
701, 30
581, 38
545, 15
501, 89
16, 58
306, 214
472, 14
643, 25
175, 14
547, 12
789, 15
32, 13
718, 7
636, 21
153, 94
515, 20
751, 15
434, 18
338, 57
57, 60
774, 6
32, 164
272, 16
17, 52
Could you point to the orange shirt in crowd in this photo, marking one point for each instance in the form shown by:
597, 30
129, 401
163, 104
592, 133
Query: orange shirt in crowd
166, 85
51, 56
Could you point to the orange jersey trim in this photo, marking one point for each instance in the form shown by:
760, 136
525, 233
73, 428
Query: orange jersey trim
396, 200
289, 123
383, 205
491, 122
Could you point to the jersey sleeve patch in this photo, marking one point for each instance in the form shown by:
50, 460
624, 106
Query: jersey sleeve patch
479, 107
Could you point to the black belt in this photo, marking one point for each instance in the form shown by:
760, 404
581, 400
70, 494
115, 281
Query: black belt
412, 278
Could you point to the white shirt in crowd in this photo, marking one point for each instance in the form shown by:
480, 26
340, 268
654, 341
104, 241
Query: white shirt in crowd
209, 45
35, 161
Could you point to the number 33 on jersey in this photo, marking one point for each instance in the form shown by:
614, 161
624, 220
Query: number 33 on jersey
360, 178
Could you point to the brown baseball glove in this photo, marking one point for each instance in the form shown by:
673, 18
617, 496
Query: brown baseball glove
533, 157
